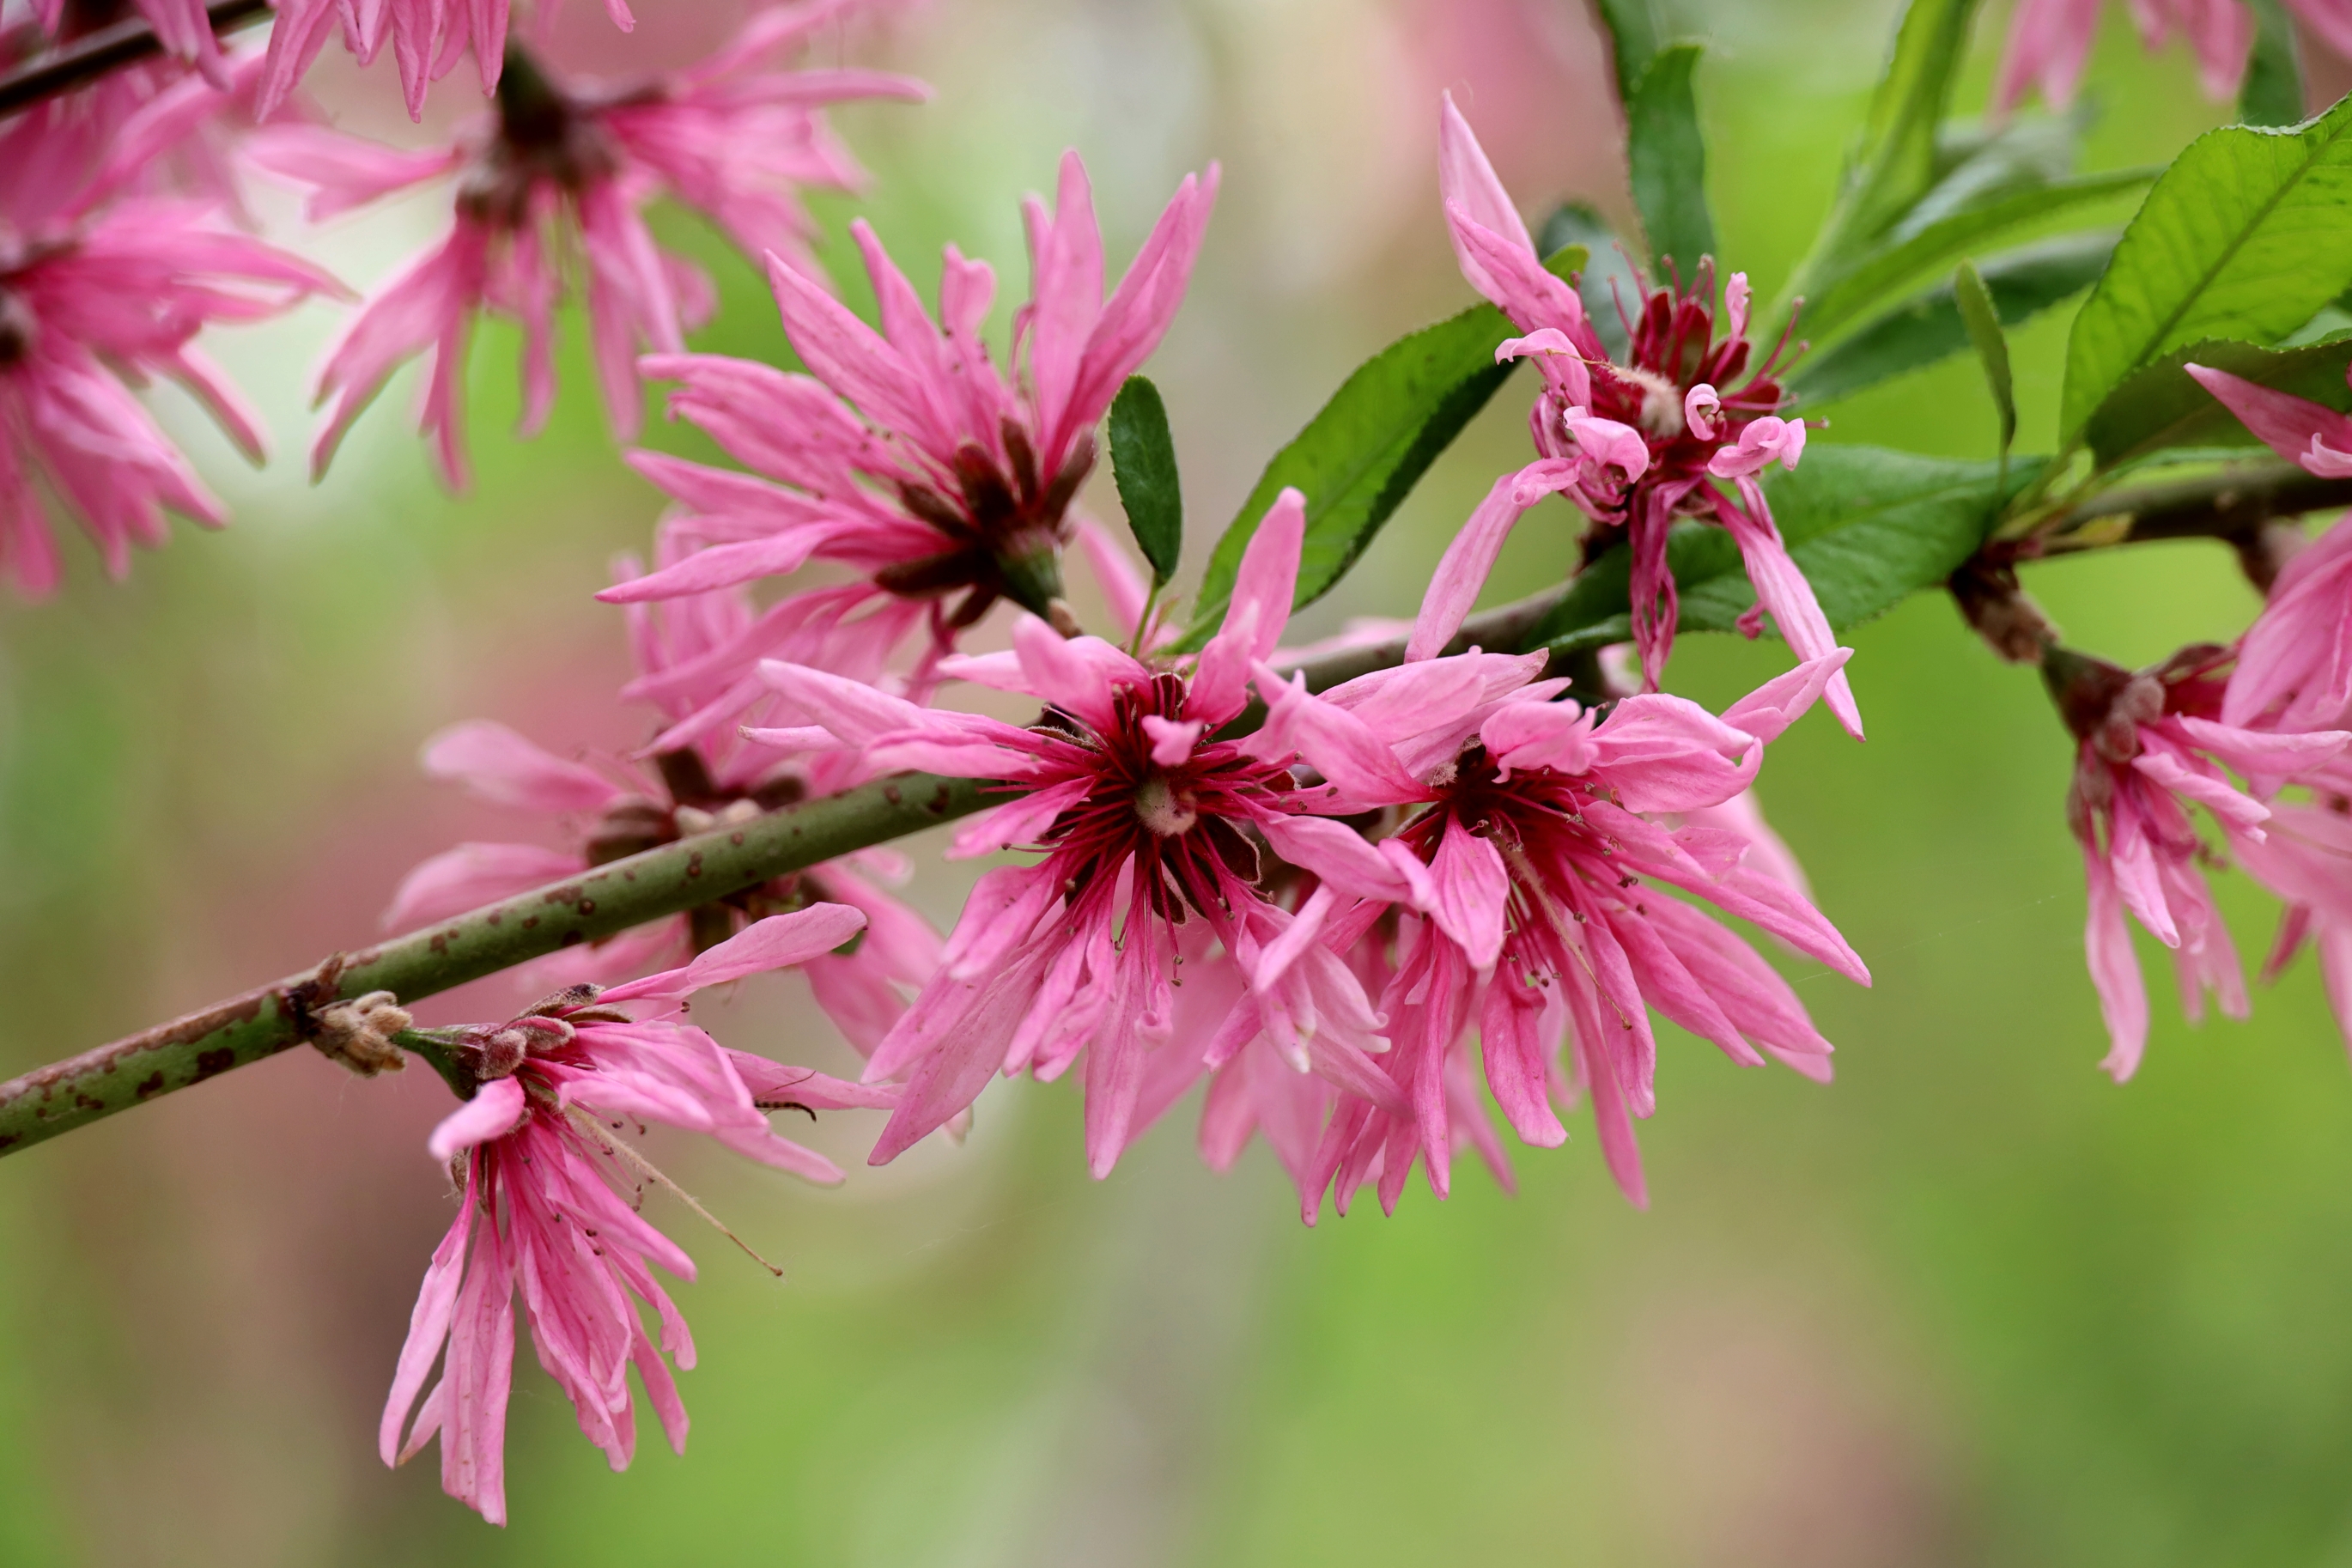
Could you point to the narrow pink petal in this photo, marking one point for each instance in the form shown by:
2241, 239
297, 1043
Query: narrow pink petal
498, 765
778, 942
493, 1112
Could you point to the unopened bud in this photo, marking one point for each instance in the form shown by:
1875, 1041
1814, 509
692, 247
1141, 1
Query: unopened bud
359, 1033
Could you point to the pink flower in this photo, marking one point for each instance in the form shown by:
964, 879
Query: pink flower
906, 454
2294, 663
539, 1162
622, 809
559, 166
2150, 745
98, 291
1523, 894
2294, 676
1145, 818
2049, 39
1634, 446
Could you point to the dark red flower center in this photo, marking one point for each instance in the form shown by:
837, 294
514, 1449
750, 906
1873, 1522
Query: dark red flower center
1002, 526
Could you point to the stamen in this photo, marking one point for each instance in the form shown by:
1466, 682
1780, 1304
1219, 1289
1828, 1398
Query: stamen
639, 1165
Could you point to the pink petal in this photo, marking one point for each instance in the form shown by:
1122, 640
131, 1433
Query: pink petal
493, 1112
778, 942
498, 765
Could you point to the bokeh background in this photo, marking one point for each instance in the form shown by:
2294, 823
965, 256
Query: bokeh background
1970, 1304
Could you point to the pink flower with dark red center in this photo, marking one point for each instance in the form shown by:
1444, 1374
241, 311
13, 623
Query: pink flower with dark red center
100, 291
551, 1194
1524, 893
556, 181
906, 454
2049, 39
1147, 822
616, 809
2150, 745
1634, 445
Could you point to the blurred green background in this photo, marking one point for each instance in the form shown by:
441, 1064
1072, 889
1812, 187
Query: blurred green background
1970, 1304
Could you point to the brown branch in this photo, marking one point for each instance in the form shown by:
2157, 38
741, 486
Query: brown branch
2249, 509
93, 55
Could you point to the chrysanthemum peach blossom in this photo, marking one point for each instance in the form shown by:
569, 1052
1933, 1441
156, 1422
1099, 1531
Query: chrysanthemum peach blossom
1634, 445
558, 177
2049, 39
906, 454
621, 809
2150, 745
99, 293
1145, 818
543, 1210
1528, 884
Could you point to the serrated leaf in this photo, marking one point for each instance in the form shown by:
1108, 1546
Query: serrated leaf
1609, 286
1928, 328
1868, 526
2271, 93
1361, 455
1633, 30
2245, 237
1934, 249
1982, 320
1143, 462
2162, 407
1666, 158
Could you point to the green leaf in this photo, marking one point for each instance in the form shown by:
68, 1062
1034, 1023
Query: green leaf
1934, 249
1362, 454
2271, 93
1666, 157
2161, 407
1632, 29
1983, 322
1868, 526
1976, 171
1894, 161
1143, 461
1928, 328
1609, 286
2246, 235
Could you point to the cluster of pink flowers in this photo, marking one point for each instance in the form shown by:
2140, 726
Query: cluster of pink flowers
113, 256
1343, 917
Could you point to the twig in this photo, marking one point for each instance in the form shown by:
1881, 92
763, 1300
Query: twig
596, 903
2237, 507
93, 55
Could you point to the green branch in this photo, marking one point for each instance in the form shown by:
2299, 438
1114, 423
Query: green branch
2234, 506
597, 903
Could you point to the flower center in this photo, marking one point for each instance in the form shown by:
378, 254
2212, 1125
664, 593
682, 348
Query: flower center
1661, 416
1162, 809
17, 329
1003, 528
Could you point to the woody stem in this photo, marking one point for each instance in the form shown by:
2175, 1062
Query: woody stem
93, 55
695, 872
